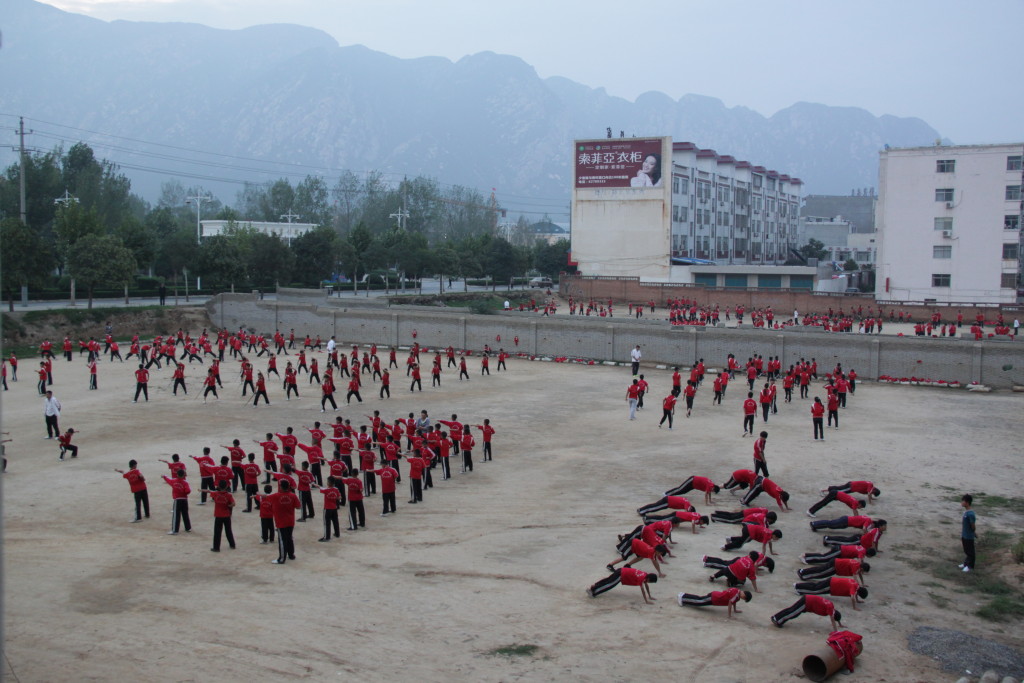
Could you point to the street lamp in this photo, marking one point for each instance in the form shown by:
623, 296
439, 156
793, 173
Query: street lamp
198, 200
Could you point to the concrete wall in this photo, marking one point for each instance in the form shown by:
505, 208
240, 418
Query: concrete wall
623, 290
608, 339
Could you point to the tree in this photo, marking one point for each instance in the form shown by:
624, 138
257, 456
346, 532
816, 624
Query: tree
814, 249
316, 254
24, 260
220, 261
270, 261
850, 266
311, 201
140, 239
551, 259
100, 259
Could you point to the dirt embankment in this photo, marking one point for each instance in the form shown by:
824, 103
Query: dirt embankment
30, 328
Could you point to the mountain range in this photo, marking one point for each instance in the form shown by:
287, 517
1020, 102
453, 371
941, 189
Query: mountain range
290, 94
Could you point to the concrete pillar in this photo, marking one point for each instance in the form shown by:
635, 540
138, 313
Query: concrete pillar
875, 368
976, 358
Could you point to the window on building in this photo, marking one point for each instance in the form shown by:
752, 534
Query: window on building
1013, 163
769, 281
1011, 222
740, 244
1010, 251
771, 183
943, 223
684, 186
675, 185
940, 280
945, 165
1013, 193
942, 252
944, 194
736, 281
801, 281
706, 279
1008, 281
757, 180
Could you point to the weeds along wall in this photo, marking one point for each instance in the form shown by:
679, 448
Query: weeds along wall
999, 364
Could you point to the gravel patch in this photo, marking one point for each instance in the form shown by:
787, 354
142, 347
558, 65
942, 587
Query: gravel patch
961, 652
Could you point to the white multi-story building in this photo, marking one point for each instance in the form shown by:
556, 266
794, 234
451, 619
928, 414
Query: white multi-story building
948, 221
731, 212
287, 231
840, 239
654, 209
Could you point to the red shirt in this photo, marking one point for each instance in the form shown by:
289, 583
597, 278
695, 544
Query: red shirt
725, 598
288, 442
817, 410
842, 587
742, 568
221, 473
488, 432
856, 552
415, 467
387, 475
759, 450
135, 480
305, 478
142, 375
847, 566
251, 473
650, 533
269, 450
331, 497
815, 604
863, 487
467, 441
848, 500
678, 503
703, 484
641, 549
744, 476
237, 455
338, 468
632, 577
223, 501
761, 534
179, 488
354, 488
858, 521
283, 504
749, 406
669, 403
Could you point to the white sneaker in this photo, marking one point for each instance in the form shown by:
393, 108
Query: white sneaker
961, 565
967, 569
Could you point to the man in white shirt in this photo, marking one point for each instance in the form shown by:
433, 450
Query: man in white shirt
51, 411
331, 344
634, 355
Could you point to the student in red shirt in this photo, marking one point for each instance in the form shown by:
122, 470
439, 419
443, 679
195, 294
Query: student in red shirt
488, 434
141, 383
354, 491
869, 539
845, 498
863, 487
385, 384
668, 410
738, 570
633, 397
852, 552
137, 482
840, 566
66, 445
815, 604
727, 598
250, 480
837, 586
695, 482
689, 393
210, 382
643, 551
817, 413
760, 464
466, 444
749, 410
223, 502
179, 495
266, 507
757, 533
762, 516
261, 389
388, 476
332, 496
627, 576
284, 503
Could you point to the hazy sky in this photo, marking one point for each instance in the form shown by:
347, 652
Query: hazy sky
955, 64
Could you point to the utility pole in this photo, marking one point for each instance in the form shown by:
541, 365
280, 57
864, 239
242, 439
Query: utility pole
21, 170
198, 199
64, 201
288, 217
401, 216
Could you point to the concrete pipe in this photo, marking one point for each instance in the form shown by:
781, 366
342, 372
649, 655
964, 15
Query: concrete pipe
825, 662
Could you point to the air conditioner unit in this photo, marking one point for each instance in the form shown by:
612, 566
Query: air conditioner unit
949, 205
948, 234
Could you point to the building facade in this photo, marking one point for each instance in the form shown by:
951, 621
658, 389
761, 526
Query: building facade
286, 231
653, 208
730, 211
840, 239
948, 221
858, 208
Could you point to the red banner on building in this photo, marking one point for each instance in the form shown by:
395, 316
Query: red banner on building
623, 162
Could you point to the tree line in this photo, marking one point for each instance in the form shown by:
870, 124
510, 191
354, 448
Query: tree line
83, 222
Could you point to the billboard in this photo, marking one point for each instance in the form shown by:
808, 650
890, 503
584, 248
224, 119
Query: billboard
620, 163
